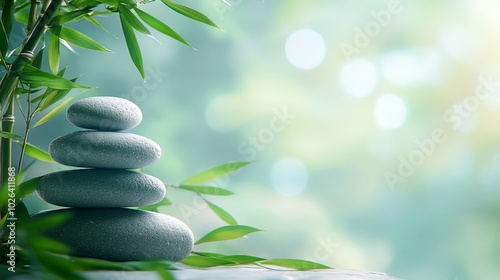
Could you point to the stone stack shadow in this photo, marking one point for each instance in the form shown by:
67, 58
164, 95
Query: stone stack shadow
96, 196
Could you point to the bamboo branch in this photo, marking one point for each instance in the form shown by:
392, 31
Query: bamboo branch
11, 79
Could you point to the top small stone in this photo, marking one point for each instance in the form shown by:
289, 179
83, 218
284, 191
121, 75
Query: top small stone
104, 113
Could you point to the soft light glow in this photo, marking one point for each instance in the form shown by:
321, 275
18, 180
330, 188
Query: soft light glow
358, 78
390, 111
289, 176
305, 49
400, 67
218, 113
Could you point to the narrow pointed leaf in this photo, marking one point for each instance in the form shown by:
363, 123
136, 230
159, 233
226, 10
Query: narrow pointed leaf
226, 233
52, 113
38, 59
94, 22
208, 254
132, 45
201, 261
154, 207
27, 187
49, 245
37, 77
188, 12
8, 10
214, 173
54, 53
4, 42
295, 264
206, 190
79, 39
9, 135
69, 17
37, 153
133, 20
160, 26
224, 215
242, 259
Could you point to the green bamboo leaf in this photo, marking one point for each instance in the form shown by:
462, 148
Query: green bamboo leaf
154, 207
208, 254
206, 190
69, 17
295, 264
37, 153
214, 173
79, 39
92, 20
236, 259
22, 16
4, 42
38, 59
8, 11
49, 90
226, 233
27, 187
42, 224
132, 20
54, 52
202, 261
52, 113
86, 3
132, 45
88, 264
9, 135
160, 26
52, 96
188, 12
36, 77
224, 215
242, 259
49, 245
60, 266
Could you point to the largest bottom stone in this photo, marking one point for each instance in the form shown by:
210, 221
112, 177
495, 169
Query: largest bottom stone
120, 234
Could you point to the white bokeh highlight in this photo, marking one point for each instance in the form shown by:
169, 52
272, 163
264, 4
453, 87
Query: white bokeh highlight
289, 176
305, 49
358, 78
390, 111
400, 67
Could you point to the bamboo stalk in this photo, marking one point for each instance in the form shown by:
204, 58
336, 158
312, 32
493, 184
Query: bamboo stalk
11, 79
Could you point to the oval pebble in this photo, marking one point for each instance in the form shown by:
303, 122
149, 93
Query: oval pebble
101, 149
100, 188
105, 113
120, 234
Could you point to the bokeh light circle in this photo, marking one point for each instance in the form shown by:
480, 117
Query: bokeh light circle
358, 78
305, 49
401, 67
390, 111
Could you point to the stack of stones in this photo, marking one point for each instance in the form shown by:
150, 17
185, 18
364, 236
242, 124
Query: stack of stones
99, 225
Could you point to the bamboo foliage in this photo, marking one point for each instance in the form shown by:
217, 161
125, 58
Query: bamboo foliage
45, 91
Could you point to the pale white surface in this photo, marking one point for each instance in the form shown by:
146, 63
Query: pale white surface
245, 273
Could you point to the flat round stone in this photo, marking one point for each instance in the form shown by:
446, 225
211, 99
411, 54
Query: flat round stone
120, 234
100, 188
102, 149
105, 113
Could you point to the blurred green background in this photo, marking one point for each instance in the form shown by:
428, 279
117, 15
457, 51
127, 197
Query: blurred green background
373, 127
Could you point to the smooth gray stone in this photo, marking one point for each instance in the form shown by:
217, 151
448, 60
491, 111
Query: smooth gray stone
105, 113
120, 234
101, 149
100, 188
